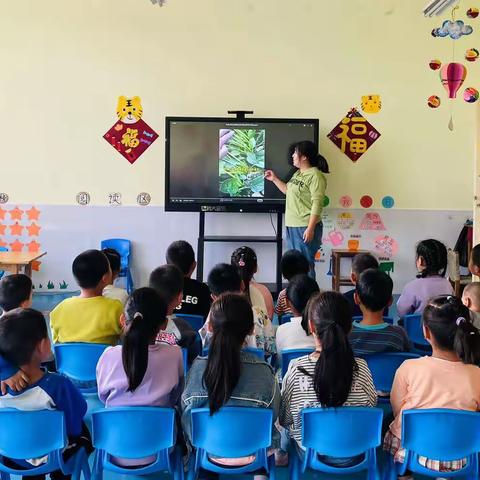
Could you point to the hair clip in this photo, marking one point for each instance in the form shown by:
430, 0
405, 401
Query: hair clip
241, 262
460, 320
137, 315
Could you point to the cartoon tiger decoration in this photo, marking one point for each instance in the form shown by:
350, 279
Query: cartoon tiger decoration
371, 103
129, 110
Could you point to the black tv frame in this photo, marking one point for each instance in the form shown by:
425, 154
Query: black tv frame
198, 206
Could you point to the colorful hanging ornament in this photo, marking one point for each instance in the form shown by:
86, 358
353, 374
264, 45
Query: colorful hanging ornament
452, 76
435, 64
473, 12
434, 101
470, 95
471, 55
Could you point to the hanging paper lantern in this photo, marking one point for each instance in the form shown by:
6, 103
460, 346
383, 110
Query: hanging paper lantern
452, 76
471, 55
435, 64
470, 95
434, 101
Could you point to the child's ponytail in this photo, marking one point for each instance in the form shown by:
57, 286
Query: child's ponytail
145, 314
245, 259
309, 150
467, 341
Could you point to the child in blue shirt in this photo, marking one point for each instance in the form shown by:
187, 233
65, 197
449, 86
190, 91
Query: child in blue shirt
24, 342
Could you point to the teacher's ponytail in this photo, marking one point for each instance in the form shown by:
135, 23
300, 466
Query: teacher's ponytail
309, 149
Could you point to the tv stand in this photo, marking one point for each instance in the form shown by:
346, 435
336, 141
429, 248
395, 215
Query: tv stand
202, 238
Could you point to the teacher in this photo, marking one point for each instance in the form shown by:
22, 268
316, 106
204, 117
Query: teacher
305, 192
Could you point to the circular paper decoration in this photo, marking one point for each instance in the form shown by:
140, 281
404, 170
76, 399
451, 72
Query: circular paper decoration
3, 198
472, 12
435, 64
144, 198
346, 201
470, 95
366, 201
471, 55
326, 201
388, 202
434, 101
83, 198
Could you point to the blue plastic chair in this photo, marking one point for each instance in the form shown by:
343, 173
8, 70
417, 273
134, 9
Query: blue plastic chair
413, 327
339, 432
135, 433
33, 434
255, 351
195, 321
185, 361
232, 432
292, 354
124, 248
284, 319
3, 249
385, 319
78, 361
383, 367
439, 434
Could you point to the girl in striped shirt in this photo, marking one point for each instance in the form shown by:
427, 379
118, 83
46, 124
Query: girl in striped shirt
329, 377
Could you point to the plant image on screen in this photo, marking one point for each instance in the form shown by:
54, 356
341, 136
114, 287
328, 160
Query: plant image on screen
241, 162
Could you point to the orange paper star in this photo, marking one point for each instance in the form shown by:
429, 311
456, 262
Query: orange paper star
2, 229
16, 246
2, 243
16, 229
33, 229
33, 246
36, 265
33, 214
16, 213
2, 213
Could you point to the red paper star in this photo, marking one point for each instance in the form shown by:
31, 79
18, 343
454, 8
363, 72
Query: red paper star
33, 214
2, 213
36, 265
33, 246
16, 246
16, 229
2, 243
16, 213
2, 229
33, 229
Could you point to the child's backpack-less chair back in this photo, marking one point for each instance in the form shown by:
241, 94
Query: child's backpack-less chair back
124, 248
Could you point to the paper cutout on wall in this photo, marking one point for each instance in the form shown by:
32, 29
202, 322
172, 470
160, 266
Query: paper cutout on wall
345, 201
16, 246
33, 246
372, 221
345, 221
16, 229
434, 101
472, 12
115, 199
327, 221
388, 202
371, 103
353, 245
435, 64
470, 95
366, 201
83, 198
3, 198
335, 238
387, 267
454, 29
3, 213
33, 213
386, 245
130, 135
471, 55
326, 201
354, 135
33, 229
3, 229
320, 255
144, 199
16, 213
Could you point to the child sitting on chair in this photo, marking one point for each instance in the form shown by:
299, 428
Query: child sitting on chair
15, 292
90, 317
24, 342
449, 378
471, 299
167, 281
110, 291
372, 334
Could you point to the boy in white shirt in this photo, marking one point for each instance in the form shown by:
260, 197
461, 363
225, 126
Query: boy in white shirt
110, 291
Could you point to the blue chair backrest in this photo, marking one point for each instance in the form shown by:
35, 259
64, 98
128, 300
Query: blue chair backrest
342, 432
78, 360
383, 367
3, 249
414, 328
254, 351
185, 361
122, 246
133, 432
229, 432
292, 354
31, 434
442, 434
195, 321
385, 319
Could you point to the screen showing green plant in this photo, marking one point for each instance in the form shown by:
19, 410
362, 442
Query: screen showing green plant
241, 162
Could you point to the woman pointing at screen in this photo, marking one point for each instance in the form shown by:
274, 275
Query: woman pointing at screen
304, 203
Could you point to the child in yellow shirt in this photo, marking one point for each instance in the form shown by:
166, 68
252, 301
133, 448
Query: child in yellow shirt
90, 317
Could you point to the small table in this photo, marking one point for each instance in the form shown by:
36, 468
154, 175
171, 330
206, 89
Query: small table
337, 255
15, 261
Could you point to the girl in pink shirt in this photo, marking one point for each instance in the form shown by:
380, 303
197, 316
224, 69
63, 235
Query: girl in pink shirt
450, 378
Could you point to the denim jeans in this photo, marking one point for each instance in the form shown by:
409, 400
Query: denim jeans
309, 250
